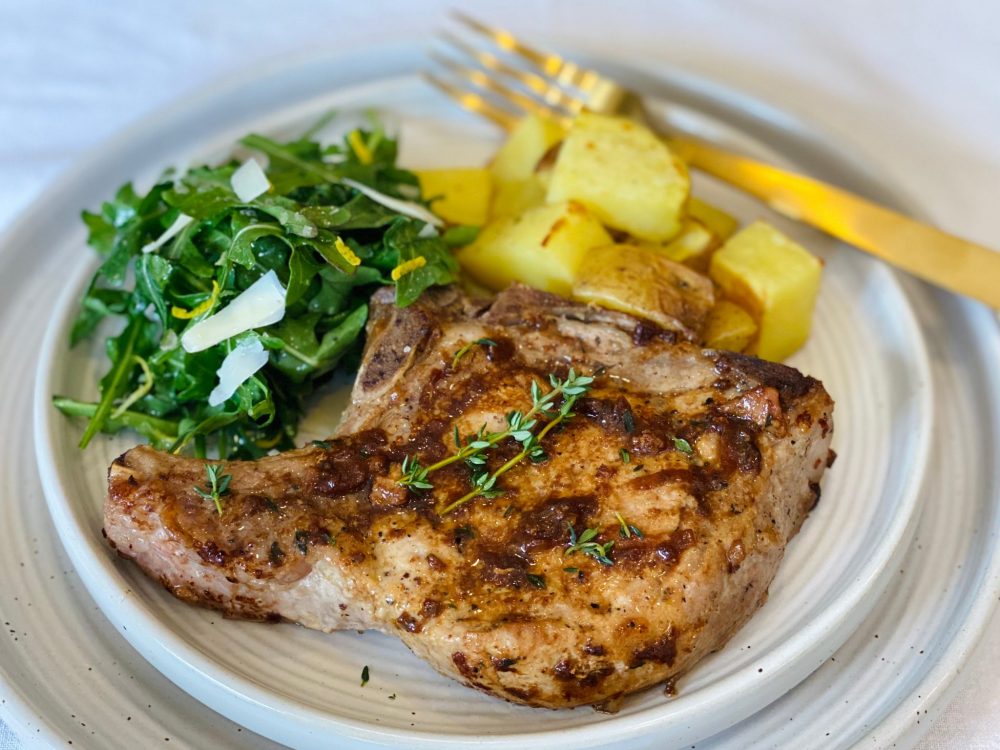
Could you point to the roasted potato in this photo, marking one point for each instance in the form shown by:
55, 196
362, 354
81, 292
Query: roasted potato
692, 246
624, 174
463, 195
773, 278
512, 198
518, 184
525, 146
543, 247
717, 221
642, 282
728, 326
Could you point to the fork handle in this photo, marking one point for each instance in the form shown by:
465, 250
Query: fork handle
935, 256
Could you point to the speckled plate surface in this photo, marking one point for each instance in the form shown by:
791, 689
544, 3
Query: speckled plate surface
301, 686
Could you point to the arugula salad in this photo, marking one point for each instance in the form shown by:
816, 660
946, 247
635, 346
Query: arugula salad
241, 288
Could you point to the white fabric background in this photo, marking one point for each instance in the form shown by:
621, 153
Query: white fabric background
913, 84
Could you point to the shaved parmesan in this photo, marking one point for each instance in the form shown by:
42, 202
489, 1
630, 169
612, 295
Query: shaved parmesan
179, 223
169, 340
261, 304
410, 192
407, 208
249, 181
242, 362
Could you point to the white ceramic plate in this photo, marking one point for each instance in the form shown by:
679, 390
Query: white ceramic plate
62, 636
301, 687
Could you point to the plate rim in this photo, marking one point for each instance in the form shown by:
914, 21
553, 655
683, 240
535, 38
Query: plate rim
257, 71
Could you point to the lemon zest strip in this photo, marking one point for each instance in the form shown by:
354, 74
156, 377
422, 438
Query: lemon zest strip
408, 267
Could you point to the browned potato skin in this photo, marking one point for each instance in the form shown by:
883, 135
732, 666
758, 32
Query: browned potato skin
728, 326
693, 246
644, 283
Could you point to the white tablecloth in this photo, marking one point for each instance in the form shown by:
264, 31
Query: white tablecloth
914, 84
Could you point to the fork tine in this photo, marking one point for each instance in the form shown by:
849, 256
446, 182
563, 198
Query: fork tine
473, 102
517, 99
552, 94
564, 71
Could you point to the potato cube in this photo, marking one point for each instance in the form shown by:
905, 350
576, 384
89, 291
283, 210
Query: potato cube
717, 221
518, 183
729, 326
693, 246
624, 174
542, 247
776, 280
515, 197
463, 194
644, 283
530, 140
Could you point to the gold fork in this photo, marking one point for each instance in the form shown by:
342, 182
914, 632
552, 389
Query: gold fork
514, 79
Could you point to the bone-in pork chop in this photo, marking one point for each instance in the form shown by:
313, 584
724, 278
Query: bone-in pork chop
699, 465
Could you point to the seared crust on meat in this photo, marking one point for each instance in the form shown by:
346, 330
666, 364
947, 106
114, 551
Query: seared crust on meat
326, 537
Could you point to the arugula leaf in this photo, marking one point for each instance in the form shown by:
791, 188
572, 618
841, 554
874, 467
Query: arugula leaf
440, 267
152, 273
330, 245
113, 383
292, 165
162, 433
302, 267
337, 341
284, 210
361, 212
246, 230
326, 245
459, 236
97, 304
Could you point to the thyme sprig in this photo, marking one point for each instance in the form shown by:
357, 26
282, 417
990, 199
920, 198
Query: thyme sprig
465, 349
520, 426
218, 485
586, 544
627, 530
414, 475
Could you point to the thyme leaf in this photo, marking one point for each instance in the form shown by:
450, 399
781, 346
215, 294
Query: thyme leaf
465, 349
627, 530
414, 475
586, 544
218, 485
